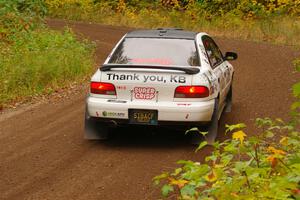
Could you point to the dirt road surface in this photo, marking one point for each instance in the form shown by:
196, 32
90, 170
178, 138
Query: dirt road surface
43, 154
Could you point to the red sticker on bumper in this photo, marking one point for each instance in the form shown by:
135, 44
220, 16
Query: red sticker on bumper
144, 93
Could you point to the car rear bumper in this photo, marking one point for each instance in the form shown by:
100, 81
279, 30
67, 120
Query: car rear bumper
167, 111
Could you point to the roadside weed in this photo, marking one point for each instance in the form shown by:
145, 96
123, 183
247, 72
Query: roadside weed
35, 59
262, 165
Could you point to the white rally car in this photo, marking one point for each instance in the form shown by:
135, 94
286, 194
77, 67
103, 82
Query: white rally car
160, 77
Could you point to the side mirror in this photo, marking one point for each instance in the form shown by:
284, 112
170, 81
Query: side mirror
231, 56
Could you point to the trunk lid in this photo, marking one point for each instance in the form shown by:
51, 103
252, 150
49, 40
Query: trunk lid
147, 84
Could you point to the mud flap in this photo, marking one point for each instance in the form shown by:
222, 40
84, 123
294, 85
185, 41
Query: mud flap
211, 128
214, 124
94, 130
229, 101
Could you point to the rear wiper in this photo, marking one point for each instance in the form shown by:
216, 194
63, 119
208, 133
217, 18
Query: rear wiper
187, 70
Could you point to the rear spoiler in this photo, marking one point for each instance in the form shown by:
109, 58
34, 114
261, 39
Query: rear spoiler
187, 70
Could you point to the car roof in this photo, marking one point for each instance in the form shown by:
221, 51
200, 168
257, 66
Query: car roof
173, 33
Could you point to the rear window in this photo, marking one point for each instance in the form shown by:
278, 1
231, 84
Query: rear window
155, 51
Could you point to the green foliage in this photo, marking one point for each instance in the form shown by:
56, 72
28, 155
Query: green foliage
254, 168
34, 59
250, 20
265, 165
34, 8
245, 8
295, 107
230, 128
250, 8
20, 16
40, 61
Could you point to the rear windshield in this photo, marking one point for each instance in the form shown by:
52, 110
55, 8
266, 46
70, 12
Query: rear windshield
155, 51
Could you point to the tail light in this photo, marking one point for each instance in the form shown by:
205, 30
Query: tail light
191, 92
103, 88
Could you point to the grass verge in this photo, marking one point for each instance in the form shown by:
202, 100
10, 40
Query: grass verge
39, 61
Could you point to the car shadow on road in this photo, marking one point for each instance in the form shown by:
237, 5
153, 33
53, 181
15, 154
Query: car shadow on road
157, 137
147, 137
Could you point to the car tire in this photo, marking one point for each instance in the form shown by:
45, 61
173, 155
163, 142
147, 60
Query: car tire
95, 130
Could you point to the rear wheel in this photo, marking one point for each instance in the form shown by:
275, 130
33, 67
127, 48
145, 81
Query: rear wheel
95, 130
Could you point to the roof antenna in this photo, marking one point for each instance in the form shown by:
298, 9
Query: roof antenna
162, 32
170, 29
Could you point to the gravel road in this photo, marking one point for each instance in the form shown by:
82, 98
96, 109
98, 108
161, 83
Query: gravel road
43, 154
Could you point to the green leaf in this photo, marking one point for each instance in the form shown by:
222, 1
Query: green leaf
296, 166
203, 133
195, 129
297, 65
206, 198
263, 122
269, 134
157, 179
185, 162
295, 105
166, 189
230, 148
188, 190
226, 159
212, 158
201, 145
274, 127
279, 120
230, 128
177, 171
253, 140
217, 144
296, 89
241, 166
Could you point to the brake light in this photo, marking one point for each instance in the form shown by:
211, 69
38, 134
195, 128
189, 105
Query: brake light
103, 88
191, 92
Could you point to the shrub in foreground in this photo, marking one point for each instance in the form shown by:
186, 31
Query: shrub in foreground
265, 165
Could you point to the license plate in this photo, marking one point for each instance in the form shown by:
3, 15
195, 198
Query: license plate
143, 116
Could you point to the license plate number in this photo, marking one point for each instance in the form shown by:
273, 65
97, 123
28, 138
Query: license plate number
143, 117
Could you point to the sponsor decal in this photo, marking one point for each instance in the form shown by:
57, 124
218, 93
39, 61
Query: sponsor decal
147, 93
121, 87
116, 101
113, 114
184, 104
146, 78
187, 116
